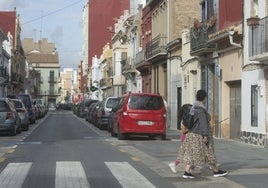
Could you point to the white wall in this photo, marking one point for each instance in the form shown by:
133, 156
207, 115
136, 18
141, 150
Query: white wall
252, 78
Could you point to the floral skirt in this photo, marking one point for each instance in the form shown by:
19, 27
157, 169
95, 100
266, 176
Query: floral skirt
194, 151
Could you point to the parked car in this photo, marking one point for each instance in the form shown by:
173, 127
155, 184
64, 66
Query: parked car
104, 111
28, 102
75, 108
41, 104
90, 109
9, 118
93, 116
23, 114
139, 114
83, 107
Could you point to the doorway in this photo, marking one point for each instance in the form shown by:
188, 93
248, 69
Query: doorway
235, 111
178, 106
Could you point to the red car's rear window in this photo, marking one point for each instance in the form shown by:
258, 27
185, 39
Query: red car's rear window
145, 102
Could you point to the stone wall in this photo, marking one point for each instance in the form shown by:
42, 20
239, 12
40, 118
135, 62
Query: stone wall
254, 138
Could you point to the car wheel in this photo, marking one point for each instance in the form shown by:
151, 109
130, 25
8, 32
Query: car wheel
26, 128
120, 135
163, 137
112, 132
19, 129
151, 137
13, 131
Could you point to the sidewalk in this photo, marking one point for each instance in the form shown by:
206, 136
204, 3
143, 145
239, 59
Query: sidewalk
247, 165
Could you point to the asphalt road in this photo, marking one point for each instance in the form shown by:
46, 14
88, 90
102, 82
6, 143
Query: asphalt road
63, 150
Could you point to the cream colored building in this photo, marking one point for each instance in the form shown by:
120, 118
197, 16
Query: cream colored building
164, 52
44, 60
68, 85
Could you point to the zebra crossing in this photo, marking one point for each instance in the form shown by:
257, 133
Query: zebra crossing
71, 174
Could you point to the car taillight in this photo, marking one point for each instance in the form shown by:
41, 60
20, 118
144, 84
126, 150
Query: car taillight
9, 115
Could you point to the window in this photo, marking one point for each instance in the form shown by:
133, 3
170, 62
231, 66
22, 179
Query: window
146, 102
3, 106
254, 8
254, 105
207, 9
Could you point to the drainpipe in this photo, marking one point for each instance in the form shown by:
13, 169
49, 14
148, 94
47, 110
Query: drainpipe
231, 39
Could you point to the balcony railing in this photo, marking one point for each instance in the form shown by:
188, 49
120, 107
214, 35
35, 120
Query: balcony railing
139, 58
105, 82
53, 93
199, 38
16, 78
258, 41
52, 79
156, 47
126, 64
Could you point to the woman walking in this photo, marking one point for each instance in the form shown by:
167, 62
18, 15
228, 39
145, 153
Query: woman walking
184, 109
198, 147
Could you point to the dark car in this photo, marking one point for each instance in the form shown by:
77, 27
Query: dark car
28, 103
83, 107
93, 115
90, 109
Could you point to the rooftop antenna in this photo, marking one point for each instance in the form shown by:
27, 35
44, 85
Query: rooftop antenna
34, 30
41, 25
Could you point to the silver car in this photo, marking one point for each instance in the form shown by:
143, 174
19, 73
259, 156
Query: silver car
23, 114
104, 112
9, 118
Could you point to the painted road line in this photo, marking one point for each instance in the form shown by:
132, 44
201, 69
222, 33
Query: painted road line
128, 176
2, 159
14, 175
70, 174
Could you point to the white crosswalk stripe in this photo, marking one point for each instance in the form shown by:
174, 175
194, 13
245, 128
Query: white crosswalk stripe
128, 176
14, 175
71, 174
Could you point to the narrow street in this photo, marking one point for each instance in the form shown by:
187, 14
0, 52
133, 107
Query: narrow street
62, 150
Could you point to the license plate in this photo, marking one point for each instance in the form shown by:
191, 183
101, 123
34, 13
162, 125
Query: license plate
145, 123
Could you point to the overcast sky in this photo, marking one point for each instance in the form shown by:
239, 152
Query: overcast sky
60, 21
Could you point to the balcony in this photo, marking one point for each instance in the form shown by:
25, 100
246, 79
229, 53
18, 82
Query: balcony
52, 79
139, 60
199, 38
53, 93
155, 49
16, 78
126, 64
105, 83
258, 41
119, 80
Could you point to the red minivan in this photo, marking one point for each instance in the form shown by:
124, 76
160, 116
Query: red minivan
139, 114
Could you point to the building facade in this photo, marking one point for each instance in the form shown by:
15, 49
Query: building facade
43, 60
254, 113
10, 24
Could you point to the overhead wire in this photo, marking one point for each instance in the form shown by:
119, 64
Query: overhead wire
50, 13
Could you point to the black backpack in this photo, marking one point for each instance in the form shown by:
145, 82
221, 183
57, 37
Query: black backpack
187, 118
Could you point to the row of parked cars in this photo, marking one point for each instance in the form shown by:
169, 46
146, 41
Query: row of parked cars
17, 112
130, 114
